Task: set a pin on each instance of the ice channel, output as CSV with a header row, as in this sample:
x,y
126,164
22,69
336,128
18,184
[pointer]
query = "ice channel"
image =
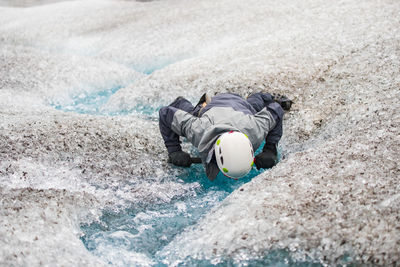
x,y
83,172
136,235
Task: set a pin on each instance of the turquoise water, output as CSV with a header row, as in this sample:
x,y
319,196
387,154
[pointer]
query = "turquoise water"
x,y
148,228
88,103
136,235
92,104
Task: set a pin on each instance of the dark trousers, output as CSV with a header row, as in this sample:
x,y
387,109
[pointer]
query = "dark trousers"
x,y
185,105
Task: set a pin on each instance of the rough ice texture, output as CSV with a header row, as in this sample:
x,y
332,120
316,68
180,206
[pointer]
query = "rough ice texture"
x,y
336,195
40,227
33,79
336,191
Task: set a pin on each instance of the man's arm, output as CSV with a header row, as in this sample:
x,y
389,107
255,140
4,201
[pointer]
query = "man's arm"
x,y
267,158
171,138
265,100
175,123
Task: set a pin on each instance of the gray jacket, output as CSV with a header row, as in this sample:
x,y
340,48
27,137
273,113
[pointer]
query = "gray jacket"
x,y
258,116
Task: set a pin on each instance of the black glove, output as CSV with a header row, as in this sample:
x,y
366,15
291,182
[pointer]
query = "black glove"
x,y
180,158
267,158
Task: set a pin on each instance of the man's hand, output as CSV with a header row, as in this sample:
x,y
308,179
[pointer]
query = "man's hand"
x,y
180,158
267,158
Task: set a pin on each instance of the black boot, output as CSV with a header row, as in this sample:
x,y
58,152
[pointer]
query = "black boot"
x,y
205,99
284,101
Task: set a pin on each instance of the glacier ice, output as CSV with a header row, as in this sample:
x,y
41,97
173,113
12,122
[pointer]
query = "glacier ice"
x,y
112,64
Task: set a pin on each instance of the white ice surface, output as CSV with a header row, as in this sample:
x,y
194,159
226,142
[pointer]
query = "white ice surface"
x,y
335,192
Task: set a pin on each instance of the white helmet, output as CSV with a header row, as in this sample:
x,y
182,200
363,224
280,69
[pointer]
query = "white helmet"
x,y
234,154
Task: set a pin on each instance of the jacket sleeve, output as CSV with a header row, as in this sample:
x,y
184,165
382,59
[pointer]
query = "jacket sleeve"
x,y
174,123
274,136
265,100
171,139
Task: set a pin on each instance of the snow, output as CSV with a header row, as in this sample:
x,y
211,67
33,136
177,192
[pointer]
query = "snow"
x,y
335,194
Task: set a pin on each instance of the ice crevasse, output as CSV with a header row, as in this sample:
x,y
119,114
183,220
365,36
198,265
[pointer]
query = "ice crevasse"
x,y
80,85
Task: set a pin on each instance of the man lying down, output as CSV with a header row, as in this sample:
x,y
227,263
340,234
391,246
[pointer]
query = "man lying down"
x,y
226,129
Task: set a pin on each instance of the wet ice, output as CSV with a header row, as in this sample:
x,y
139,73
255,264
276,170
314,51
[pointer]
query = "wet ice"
x,y
333,196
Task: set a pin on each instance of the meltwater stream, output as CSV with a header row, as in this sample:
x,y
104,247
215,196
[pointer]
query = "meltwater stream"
x,y
137,235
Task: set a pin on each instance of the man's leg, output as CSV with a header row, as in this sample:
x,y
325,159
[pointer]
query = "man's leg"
x,y
183,104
